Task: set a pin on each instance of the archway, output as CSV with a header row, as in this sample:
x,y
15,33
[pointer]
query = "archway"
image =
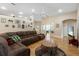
x,y
69,28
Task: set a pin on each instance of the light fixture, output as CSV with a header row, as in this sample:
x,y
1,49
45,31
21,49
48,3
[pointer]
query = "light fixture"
x,y
20,16
25,17
20,12
12,15
60,10
33,10
3,7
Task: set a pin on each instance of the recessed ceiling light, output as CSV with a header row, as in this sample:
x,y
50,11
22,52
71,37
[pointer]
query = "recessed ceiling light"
x,y
3,7
12,15
20,12
60,10
20,16
33,10
25,17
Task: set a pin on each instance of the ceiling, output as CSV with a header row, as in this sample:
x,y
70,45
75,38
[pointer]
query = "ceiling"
x,y
41,9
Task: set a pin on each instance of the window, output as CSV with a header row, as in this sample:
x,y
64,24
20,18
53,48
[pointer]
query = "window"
x,y
47,27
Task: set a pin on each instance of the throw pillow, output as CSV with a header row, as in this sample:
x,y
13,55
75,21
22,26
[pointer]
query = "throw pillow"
x,y
15,38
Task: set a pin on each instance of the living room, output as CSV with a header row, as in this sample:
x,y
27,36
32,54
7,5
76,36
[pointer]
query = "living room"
x,y
39,29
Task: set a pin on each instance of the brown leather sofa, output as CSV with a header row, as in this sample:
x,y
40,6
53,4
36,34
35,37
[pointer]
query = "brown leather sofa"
x,y
16,49
19,48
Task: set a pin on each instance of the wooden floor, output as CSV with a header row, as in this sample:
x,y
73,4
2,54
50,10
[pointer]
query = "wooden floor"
x,y
70,50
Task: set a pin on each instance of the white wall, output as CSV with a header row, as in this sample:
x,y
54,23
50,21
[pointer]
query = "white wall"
x,y
10,29
37,26
78,23
58,20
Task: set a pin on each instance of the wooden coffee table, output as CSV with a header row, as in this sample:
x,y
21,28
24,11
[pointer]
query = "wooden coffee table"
x,y
51,45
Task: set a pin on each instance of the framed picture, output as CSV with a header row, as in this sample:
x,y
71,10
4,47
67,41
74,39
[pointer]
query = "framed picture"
x,y
23,22
3,20
6,25
28,25
31,23
19,25
23,26
57,25
13,26
10,20
30,19
17,21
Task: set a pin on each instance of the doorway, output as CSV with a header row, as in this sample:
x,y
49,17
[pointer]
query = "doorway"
x,y
70,29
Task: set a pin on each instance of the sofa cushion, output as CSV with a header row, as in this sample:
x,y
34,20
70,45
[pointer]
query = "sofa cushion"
x,y
3,47
10,41
10,33
3,50
19,49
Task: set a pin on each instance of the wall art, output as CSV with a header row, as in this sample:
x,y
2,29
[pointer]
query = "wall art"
x,y
29,25
3,20
57,25
10,20
13,26
23,22
30,19
19,25
17,21
6,25
23,26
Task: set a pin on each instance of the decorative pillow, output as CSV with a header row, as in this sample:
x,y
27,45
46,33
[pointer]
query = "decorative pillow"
x,y
15,38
